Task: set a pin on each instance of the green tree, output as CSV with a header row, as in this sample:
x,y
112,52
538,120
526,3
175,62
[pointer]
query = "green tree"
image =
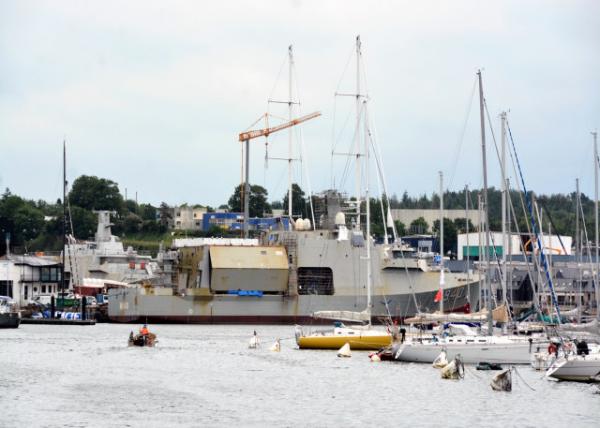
x,y
132,223
258,201
165,214
298,202
400,228
147,212
84,222
93,193
450,234
419,225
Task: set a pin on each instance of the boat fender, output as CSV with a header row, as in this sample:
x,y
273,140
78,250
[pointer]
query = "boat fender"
x,y
375,358
276,347
344,351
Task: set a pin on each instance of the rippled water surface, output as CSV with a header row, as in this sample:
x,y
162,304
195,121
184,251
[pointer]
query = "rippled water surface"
x,y
206,376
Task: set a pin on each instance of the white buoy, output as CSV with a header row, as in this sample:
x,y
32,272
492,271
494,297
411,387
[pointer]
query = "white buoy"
x,y
276,347
441,361
253,344
344,351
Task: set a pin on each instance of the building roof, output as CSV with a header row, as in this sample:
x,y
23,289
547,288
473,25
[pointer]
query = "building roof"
x,y
33,260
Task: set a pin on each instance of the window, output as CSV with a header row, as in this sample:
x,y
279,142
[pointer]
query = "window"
x,y
43,289
315,280
6,288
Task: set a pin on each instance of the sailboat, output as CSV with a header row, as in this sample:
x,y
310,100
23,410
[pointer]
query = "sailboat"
x,y
357,336
585,364
472,347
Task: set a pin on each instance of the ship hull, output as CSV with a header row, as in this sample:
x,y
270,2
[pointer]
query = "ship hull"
x,y
134,305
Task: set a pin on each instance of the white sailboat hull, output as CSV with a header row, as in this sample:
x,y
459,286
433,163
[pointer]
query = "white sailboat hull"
x,y
473,351
582,368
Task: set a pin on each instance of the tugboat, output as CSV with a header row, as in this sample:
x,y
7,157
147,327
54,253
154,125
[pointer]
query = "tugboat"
x,y
143,338
10,316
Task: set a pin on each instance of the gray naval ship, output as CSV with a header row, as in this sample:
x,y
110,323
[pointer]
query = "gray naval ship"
x,y
286,275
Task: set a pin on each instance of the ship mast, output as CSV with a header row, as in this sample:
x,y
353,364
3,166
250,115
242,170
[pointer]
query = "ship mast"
x,y
290,102
356,132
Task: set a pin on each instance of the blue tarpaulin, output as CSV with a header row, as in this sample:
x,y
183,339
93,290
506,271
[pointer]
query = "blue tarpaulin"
x,y
255,293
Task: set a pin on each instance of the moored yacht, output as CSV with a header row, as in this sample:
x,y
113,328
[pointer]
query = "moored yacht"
x,y
10,316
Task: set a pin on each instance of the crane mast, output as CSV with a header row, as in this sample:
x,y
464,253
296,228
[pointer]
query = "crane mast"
x,y
245,137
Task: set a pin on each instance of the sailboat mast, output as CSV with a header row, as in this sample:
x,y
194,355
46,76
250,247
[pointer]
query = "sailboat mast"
x,y
596,166
368,213
467,229
356,132
64,223
442,242
578,249
485,205
504,195
291,65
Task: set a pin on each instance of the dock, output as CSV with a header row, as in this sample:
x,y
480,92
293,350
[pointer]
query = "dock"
x,y
56,321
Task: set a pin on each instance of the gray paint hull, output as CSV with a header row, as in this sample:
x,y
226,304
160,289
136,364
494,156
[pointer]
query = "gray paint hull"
x,y
398,284
134,306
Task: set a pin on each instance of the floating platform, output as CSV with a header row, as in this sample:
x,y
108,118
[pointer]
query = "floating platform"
x,y
56,321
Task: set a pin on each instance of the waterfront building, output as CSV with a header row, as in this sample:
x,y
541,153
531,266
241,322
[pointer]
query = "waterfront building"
x,y
29,277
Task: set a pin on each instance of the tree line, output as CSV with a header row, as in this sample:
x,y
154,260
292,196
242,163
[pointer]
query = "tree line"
x,y
38,225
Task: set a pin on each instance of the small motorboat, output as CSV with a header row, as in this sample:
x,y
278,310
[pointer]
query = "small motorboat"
x,y
484,365
143,338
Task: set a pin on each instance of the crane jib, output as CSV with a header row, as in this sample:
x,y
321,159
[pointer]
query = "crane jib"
x,y
249,135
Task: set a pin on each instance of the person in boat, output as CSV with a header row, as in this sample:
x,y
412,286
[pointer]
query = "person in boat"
x,y
582,348
144,333
131,336
402,335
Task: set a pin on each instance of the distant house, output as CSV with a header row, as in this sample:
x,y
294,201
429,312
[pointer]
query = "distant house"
x,y
27,278
186,217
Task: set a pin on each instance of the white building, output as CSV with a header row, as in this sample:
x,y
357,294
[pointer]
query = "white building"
x,y
553,245
188,218
27,278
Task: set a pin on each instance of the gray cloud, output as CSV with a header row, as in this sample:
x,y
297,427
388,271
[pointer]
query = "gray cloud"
x,y
153,94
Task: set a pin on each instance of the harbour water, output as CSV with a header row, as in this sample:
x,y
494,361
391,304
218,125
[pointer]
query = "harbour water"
x,y
205,375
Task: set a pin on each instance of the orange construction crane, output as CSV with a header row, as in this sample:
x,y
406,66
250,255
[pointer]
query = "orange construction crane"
x,y
249,135
245,137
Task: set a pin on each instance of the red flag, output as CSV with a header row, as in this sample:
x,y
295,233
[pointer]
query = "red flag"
x,y
438,296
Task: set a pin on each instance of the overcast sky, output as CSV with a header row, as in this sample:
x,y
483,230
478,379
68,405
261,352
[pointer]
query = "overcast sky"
x,y
153,94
